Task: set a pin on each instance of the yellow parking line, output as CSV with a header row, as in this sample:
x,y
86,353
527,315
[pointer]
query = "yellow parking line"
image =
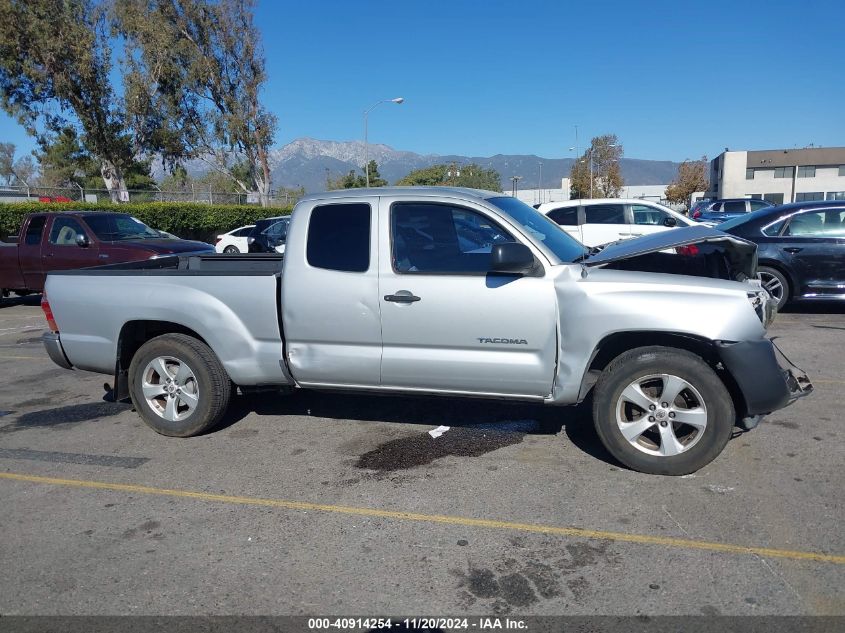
x,y
644,539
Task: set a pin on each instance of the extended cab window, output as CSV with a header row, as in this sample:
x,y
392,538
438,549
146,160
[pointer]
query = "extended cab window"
x,y
605,214
735,206
339,237
65,231
34,230
440,238
567,216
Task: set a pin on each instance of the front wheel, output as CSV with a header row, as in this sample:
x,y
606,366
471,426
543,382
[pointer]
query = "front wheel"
x,y
178,385
662,411
231,250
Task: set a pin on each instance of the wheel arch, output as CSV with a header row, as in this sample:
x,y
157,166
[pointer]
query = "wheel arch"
x,y
783,270
132,336
615,344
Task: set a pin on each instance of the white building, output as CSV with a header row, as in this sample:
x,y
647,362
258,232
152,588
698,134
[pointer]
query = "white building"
x,y
655,193
779,176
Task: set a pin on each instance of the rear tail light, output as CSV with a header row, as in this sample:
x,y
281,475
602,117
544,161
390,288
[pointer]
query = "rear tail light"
x,y
687,251
696,214
48,313
218,240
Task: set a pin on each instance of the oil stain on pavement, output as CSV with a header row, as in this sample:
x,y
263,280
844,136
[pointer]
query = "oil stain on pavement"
x,y
421,449
545,572
65,417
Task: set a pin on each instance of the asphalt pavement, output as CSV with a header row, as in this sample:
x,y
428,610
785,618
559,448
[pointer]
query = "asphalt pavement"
x,y
322,503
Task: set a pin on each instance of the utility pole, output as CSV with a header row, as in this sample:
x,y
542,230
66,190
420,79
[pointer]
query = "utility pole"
x,y
540,182
514,188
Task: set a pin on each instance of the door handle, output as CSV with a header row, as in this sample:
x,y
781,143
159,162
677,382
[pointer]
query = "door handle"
x,y
403,296
102,256
793,250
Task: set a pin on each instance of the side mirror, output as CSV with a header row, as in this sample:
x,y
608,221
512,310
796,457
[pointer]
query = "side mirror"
x,y
511,257
670,222
82,241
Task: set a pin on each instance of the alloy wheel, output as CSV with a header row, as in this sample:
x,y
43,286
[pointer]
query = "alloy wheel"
x,y
661,414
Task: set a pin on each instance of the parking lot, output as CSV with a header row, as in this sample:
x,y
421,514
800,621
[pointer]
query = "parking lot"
x,y
321,503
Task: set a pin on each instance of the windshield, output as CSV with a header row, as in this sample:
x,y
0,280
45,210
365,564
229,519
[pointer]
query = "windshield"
x,y
112,228
541,228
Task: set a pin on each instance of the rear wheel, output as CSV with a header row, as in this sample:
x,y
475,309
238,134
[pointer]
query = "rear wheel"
x,y
662,411
776,284
231,249
178,385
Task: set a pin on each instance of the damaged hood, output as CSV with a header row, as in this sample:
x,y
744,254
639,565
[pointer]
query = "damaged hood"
x,y
742,253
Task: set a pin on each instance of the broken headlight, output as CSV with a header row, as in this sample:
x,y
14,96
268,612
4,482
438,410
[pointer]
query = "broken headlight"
x,y
763,306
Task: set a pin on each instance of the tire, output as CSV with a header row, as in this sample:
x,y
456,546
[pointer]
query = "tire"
x,y
231,250
776,284
701,398
23,293
204,387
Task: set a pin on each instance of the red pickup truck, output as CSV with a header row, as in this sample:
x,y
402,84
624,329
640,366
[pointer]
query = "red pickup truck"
x,y
71,240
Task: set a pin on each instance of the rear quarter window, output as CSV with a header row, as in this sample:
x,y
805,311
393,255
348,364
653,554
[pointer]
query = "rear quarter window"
x,y
34,230
339,237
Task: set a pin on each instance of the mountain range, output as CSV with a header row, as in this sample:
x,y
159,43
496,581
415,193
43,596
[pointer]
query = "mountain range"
x,y
308,162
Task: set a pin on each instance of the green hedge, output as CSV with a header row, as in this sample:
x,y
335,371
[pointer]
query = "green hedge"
x,y
187,220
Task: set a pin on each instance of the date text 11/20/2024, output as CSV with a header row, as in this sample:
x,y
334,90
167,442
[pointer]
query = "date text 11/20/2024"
x,y
422,623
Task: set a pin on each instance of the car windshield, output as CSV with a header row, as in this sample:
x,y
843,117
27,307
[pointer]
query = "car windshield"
x,y
541,228
113,228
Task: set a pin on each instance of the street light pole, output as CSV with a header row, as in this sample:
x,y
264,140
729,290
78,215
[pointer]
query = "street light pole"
x,y
397,101
514,180
540,183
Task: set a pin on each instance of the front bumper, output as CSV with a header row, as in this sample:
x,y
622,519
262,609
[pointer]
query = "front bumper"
x,y
767,379
53,345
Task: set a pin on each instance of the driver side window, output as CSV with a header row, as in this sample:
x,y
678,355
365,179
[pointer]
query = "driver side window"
x,y
65,232
440,238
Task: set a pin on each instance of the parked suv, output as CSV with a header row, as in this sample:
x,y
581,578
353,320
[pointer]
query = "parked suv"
x,y
269,235
721,210
605,220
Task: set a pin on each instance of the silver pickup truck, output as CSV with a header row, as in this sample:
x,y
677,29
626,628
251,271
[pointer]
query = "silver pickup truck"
x,y
444,291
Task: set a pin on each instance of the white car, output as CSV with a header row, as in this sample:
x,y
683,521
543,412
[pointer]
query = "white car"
x,y
604,220
234,241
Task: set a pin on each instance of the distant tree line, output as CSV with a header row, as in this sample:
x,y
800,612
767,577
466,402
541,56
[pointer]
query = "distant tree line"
x,y
450,175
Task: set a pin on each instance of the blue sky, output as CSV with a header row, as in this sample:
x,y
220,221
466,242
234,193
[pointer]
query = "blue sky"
x,y
673,80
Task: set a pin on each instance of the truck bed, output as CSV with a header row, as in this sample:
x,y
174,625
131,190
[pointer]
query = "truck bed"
x,y
216,264
229,301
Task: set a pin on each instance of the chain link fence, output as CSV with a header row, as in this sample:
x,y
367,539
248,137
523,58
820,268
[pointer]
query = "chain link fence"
x,y
278,197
